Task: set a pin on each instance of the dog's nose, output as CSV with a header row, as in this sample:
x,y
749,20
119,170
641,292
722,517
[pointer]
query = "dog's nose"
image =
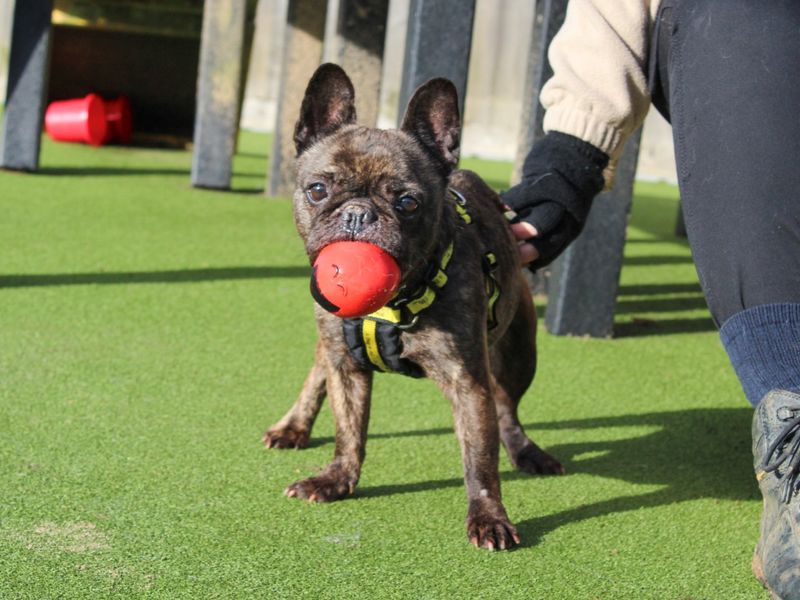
x,y
357,217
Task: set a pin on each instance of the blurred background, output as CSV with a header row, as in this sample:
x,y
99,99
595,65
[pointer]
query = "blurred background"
x,y
494,89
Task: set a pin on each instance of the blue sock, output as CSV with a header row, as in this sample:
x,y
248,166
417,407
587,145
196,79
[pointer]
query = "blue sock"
x,y
763,344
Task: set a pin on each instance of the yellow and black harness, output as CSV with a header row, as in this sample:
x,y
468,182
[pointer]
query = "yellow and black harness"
x,y
374,340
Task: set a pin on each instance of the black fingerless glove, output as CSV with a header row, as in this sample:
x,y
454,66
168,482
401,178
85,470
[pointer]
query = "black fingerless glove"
x,y
560,177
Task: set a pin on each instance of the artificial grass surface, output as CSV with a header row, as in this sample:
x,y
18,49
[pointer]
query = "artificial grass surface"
x,y
150,332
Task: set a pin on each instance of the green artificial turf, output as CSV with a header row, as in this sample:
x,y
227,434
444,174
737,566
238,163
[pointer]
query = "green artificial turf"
x,y
150,332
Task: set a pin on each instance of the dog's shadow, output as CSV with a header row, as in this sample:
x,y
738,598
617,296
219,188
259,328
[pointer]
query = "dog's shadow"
x,y
692,454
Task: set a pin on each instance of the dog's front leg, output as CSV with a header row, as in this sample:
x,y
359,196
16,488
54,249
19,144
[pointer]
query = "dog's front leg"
x,y
349,390
469,391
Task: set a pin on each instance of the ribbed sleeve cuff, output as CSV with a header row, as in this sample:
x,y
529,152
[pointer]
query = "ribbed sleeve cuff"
x,y
587,127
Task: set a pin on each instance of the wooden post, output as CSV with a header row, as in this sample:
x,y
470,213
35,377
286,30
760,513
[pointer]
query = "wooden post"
x,y
219,84
438,44
584,280
305,30
358,49
26,95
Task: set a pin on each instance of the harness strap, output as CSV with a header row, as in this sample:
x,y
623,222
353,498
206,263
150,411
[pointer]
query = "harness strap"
x,y
492,287
403,312
368,330
461,205
377,345
374,340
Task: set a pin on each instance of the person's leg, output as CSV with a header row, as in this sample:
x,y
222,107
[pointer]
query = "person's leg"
x,y
733,96
724,71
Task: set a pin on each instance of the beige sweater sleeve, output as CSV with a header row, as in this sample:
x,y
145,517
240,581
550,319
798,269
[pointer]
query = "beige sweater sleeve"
x,y
598,91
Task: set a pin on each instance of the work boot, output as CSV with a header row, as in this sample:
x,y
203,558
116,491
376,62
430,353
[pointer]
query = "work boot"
x,y
776,456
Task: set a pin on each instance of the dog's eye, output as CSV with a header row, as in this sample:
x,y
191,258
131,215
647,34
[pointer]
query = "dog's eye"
x,y
407,205
316,192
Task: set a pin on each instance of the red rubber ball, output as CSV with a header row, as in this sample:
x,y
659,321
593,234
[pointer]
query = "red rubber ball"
x,y
353,279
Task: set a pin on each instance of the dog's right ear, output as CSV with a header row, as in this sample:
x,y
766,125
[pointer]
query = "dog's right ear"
x,y
329,104
432,117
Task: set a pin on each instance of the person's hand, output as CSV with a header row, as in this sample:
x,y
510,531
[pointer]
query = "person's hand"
x,y
524,231
561,175
543,228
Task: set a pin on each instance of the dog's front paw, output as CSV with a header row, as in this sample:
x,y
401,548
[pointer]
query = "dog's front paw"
x,y
332,484
490,528
536,461
285,437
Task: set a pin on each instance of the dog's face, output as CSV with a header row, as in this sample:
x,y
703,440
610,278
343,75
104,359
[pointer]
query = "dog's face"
x,y
385,187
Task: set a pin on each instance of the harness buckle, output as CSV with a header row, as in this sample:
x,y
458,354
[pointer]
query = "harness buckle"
x,y
408,325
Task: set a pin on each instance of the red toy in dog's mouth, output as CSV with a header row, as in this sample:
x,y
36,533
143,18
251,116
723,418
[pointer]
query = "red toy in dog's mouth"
x,y
353,279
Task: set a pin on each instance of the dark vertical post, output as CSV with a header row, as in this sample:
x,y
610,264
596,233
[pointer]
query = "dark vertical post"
x,y
305,30
358,49
438,43
584,280
547,21
26,95
218,90
548,18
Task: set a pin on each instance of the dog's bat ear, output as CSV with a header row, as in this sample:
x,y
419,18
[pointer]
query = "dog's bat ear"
x,y
329,104
432,117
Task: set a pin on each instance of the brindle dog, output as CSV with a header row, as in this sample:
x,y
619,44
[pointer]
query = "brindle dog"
x,y
390,188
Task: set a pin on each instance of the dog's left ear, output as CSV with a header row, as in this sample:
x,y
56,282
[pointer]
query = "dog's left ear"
x,y
329,104
432,117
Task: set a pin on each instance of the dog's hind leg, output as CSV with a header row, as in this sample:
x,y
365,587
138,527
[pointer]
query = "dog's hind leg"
x,y
294,429
513,360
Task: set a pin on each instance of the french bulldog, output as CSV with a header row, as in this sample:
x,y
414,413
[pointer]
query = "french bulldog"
x,y
400,190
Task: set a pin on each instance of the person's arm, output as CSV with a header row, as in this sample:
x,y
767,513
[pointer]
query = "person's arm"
x,y
596,98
